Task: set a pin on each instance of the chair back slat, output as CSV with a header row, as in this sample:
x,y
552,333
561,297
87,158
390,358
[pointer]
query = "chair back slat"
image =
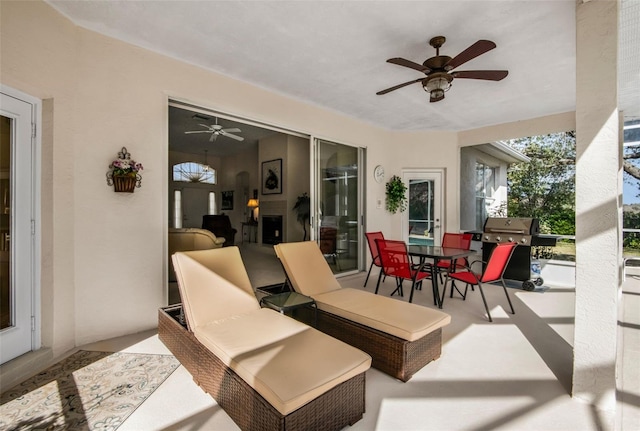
x,y
393,257
498,261
457,240
373,248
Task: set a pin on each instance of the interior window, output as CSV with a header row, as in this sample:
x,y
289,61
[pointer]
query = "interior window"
x,y
192,172
177,209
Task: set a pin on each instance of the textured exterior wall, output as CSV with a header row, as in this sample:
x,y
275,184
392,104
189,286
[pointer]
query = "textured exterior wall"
x,y
598,204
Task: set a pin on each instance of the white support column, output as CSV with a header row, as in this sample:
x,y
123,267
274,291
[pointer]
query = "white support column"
x,y
598,206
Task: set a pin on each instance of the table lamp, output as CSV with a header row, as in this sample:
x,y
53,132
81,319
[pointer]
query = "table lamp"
x,y
253,204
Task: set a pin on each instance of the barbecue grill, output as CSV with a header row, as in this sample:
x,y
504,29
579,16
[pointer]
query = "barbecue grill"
x,y
526,233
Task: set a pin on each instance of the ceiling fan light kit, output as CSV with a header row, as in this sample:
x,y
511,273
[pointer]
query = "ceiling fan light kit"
x,y
438,69
437,85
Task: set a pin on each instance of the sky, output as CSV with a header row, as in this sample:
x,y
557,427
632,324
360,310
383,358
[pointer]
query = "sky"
x,y
630,192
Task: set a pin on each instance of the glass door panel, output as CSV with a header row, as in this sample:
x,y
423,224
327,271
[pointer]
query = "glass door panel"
x,y
338,204
421,217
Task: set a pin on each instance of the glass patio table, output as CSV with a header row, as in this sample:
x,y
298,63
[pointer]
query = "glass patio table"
x,y
436,253
287,301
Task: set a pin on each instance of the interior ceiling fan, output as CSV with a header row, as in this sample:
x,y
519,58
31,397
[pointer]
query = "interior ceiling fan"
x,y
438,69
217,130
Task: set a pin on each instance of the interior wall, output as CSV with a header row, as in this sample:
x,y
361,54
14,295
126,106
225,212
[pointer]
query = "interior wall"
x,y
274,204
107,94
229,169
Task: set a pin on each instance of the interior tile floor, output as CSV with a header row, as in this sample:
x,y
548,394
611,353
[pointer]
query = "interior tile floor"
x,y
512,374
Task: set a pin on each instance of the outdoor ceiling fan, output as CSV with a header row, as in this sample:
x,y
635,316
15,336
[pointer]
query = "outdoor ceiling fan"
x,y
217,130
438,69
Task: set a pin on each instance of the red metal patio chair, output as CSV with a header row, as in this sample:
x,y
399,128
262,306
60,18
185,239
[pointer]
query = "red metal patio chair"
x,y
454,240
396,263
373,248
493,272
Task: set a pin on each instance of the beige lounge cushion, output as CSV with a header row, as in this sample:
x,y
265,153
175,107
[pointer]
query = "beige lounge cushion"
x,y
285,361
227,263
402,319
310,275
206,296
306,267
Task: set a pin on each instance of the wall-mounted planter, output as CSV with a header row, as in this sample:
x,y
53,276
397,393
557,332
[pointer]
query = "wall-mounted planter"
x,y
124,184
123,174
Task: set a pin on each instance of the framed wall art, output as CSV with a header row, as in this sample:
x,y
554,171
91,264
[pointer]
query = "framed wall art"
x,y
272,177
227,200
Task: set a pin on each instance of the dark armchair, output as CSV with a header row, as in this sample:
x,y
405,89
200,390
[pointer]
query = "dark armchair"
x,y
220,225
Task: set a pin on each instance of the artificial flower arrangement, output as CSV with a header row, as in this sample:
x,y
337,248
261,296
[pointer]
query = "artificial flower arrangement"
x,y
124,173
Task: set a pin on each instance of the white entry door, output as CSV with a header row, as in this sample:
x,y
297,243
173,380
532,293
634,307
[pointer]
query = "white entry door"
x,y
17,227
422,223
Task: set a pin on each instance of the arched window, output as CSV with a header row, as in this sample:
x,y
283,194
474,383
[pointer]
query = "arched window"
x,y
192,172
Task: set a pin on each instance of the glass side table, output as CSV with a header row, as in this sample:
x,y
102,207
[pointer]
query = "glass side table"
x,y
287,301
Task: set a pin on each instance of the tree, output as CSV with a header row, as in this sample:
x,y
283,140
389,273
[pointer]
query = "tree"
x,y
631,154
544,188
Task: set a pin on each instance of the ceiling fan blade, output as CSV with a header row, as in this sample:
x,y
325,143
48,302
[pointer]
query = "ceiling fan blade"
x,y
379,93
213,137
197,131
204,125
488,75
478,48
408,63
233,130
229,135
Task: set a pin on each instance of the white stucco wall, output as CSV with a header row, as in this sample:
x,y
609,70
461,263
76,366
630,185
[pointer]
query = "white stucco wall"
x,y
598,205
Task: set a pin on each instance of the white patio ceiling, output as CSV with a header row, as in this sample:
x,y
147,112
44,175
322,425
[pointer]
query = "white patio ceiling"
x,y
333,53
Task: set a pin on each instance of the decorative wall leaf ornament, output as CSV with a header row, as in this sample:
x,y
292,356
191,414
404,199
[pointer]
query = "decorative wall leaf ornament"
x,y
396,195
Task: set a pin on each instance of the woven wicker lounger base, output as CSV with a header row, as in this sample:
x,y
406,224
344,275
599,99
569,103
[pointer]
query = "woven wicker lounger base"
x,y
392,355
334,410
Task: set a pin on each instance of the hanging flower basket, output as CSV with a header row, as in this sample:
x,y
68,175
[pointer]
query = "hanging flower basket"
x,y
123,183
123,174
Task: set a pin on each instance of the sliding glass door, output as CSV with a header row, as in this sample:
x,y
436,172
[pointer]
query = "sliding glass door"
x,y
338,204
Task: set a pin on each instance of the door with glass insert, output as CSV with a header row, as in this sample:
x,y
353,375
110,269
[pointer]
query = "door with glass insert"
x,y
422,222
338,204
16,243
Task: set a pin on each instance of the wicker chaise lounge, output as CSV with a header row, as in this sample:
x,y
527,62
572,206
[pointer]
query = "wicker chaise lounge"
x,y
266,370
401,337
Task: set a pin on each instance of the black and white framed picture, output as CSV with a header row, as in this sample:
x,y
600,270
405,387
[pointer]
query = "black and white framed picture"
x,y
272,177
227,200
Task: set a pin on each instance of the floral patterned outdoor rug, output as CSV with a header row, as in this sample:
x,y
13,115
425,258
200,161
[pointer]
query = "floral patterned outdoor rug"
x,y
86,391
